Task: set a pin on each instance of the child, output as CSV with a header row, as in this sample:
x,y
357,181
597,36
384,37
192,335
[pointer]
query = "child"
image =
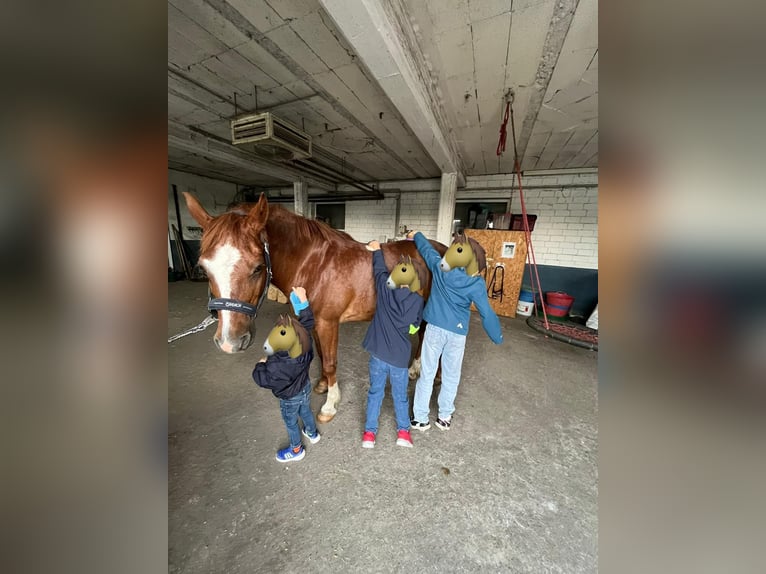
x,y
447,314
397,315
286,373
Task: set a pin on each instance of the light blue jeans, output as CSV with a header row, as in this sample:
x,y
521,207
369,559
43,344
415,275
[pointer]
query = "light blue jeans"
x,y
450,346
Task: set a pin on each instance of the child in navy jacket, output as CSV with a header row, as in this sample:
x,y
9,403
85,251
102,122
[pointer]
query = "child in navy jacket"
x,y
398,313
288,379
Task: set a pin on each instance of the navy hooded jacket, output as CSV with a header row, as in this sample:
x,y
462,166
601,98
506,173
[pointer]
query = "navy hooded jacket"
x,y
284,375
388,337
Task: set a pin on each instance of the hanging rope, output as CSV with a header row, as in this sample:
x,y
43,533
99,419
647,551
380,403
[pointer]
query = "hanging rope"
x,y
503,130
528,234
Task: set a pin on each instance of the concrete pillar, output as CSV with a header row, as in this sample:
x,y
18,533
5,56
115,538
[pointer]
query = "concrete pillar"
x,y
446,208
301,196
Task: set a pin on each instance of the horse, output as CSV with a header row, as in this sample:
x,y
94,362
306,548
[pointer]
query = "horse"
x,y
287,335
464,252
246,248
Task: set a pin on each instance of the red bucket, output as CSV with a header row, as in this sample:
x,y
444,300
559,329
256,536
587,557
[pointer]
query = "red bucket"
x,y
557,304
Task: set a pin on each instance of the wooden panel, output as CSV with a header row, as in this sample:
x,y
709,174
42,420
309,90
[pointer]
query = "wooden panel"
x,y
492,240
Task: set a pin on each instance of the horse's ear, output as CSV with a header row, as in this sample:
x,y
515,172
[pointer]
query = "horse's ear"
x,y
197,211
260,213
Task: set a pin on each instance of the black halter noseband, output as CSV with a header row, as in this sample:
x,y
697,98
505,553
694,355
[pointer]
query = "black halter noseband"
x,y
222,304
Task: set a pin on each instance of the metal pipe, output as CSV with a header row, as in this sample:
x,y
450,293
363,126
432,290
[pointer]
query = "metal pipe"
x,y
332,173
327,198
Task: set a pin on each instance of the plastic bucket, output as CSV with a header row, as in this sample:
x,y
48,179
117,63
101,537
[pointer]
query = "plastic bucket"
x,y
557,304
526,303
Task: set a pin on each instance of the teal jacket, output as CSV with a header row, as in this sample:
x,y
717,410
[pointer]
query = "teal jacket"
x,y
452,292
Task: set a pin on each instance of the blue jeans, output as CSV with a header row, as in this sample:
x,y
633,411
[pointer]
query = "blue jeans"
x,y
298,406
379,370
450,346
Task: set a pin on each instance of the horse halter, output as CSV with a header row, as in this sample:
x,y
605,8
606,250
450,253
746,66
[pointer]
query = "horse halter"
x,y
222,304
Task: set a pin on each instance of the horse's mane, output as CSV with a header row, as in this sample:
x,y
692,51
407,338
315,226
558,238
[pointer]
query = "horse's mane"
x,y
310,227
303,335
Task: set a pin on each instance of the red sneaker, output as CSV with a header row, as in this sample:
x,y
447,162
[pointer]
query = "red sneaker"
x,y
368,440
404,438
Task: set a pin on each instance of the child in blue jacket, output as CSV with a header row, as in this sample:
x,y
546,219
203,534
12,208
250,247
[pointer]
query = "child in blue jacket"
x,y
447,313
397,314
288,379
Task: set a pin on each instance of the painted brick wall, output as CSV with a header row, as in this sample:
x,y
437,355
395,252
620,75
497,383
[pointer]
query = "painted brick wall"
x,y
367,220
419,211
566,232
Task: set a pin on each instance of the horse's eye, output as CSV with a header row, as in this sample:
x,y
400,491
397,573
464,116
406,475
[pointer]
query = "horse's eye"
x,y
258,269
459,249
404,270
283,332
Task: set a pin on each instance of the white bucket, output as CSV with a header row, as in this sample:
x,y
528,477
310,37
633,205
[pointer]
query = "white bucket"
x,y
592,322
524,308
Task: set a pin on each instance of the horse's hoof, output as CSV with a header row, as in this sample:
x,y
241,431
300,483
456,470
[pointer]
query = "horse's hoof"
x,y
324,418
320,388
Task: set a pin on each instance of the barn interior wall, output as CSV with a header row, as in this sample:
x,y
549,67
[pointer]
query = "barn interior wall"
x,y
566,205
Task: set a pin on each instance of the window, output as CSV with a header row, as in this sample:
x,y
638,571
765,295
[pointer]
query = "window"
x,y
333,214
473,215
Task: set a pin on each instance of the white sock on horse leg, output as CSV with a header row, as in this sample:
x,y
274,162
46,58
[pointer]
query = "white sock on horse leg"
x,y
333,398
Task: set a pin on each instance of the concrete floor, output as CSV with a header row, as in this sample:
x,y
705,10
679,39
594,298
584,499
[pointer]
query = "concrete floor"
x,y
512,487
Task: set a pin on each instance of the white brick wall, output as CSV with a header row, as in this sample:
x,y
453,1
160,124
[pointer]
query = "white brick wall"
x,y
566,231
419,211
367,220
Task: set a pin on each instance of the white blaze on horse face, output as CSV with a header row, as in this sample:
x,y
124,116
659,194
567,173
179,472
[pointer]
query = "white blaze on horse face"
x,y
221,267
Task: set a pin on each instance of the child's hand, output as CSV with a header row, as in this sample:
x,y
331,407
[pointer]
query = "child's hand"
x,y
300,292
411,233
263,360
373,245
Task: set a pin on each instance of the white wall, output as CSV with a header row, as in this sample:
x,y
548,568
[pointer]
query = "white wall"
x,y
214,195
419,211
367,220
566,232
566,205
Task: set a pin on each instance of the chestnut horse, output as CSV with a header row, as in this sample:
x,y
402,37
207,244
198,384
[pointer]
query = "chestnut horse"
x,y
244,246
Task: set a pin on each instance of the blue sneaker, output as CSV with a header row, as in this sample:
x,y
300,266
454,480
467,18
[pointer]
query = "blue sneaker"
x,y
313,438
289,455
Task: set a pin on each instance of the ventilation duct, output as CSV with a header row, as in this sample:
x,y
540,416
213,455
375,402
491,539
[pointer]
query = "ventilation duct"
x,y
271,136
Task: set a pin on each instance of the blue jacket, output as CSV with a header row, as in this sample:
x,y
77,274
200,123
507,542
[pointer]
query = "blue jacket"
x,y
284,375
388,337
452,292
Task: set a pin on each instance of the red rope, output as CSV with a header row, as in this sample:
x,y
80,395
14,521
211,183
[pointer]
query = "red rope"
x,y
528,234
503,130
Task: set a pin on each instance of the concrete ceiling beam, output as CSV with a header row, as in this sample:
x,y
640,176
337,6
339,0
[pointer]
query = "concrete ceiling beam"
x,y
381,34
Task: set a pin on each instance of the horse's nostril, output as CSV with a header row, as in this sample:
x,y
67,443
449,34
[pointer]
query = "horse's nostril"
x,y
245,341
217,342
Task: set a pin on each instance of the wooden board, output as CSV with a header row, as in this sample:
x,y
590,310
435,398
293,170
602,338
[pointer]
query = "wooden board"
x,y
493,241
